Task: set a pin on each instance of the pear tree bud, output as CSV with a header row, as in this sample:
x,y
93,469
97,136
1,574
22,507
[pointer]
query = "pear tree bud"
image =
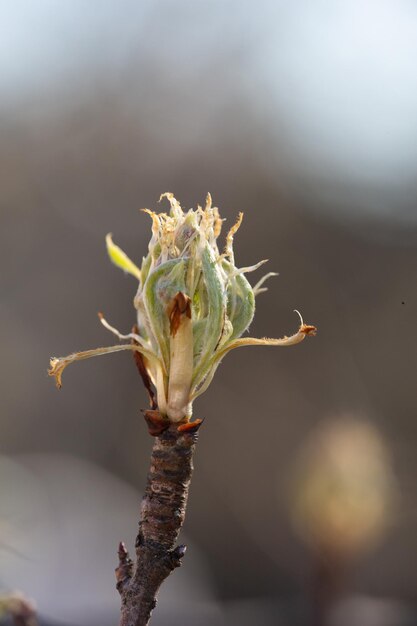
x,y
193,305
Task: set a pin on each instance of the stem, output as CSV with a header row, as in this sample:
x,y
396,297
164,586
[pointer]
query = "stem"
x,y
161,518
327,586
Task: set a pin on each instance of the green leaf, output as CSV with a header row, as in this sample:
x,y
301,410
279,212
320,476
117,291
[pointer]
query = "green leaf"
x,y
120,258
216,302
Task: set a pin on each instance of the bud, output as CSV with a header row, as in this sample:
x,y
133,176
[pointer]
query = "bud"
x,y
193,305
20,609
344,488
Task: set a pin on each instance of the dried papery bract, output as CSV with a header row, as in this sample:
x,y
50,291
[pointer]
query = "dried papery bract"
x,y
193,306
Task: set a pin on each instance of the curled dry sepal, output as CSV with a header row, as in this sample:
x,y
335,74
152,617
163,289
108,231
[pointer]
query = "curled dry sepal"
x,y
193,306
18,608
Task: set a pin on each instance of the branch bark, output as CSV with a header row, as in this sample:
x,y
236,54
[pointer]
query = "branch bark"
x,y
161,518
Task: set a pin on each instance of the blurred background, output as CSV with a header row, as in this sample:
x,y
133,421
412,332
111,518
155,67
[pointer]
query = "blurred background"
x,y
304,116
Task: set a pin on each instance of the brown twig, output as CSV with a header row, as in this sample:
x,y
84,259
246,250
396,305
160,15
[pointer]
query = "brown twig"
x,y
161,518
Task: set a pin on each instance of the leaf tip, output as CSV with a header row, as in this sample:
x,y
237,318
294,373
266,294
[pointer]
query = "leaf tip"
x,y
55,370
308,330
